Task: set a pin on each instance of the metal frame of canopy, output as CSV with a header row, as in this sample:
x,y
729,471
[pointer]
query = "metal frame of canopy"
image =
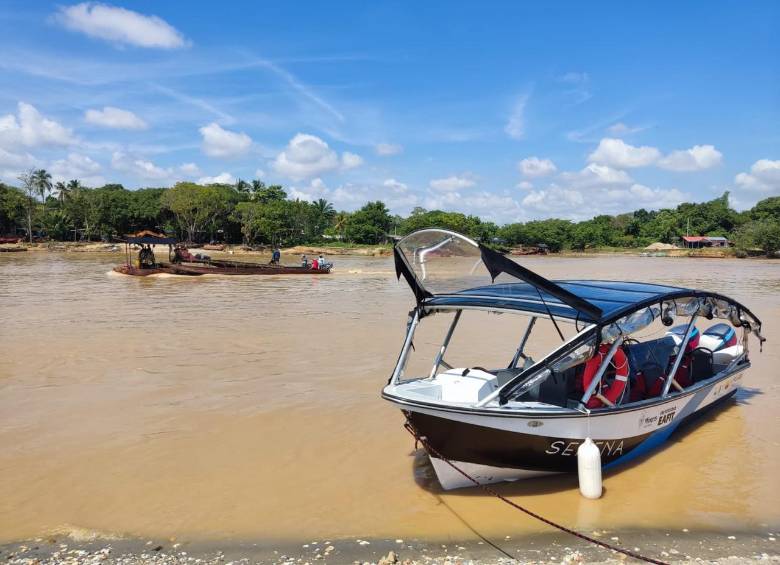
x,y
615,326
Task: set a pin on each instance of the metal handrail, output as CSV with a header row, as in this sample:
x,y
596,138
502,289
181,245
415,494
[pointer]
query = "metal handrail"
x,y
678,359
401,364
440,355
519,353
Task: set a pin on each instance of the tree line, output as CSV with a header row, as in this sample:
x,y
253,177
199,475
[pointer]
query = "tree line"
x,y
255,213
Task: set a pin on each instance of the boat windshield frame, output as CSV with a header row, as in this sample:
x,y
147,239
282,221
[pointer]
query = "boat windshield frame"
x,y
495,264
703,305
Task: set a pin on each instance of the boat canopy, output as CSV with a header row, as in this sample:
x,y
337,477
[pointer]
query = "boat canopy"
x,y
446,270
150,237
438,263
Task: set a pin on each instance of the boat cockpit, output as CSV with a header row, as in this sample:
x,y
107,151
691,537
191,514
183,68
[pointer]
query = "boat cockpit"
x,y
584,345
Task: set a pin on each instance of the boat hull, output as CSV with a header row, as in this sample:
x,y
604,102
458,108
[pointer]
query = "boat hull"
x,y
190,270
497,445
138,272
226,269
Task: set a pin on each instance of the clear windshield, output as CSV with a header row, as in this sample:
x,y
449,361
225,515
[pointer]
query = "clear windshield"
x,y
444,261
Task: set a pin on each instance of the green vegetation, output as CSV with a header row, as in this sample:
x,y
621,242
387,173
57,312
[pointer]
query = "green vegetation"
x,y
254,213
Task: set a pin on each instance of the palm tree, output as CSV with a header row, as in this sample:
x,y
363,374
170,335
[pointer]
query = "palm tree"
x,y
30,189
42,181
242,186
324,208
66,191
340,223
323,214
61,190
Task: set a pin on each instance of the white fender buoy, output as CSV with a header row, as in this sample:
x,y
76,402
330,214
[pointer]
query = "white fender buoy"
x,y
589,469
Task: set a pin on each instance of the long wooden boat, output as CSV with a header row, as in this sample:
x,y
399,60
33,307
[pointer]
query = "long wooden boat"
x,y
225,268
182,262
198,270
138,272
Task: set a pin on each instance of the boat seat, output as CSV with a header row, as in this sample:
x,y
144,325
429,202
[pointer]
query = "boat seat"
x,y
723,357
503,376
701,365
553,390
648,363
717,337
678,333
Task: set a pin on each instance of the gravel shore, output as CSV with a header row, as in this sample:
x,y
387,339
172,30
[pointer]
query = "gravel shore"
x,y
673,547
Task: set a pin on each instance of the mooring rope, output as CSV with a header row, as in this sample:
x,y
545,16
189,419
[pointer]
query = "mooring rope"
x,y
424,441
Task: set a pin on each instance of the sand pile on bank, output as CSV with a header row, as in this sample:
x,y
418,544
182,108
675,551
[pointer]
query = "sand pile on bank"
x,y
658,246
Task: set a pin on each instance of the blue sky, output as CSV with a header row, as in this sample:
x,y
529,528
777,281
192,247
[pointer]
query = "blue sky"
x,y
512,111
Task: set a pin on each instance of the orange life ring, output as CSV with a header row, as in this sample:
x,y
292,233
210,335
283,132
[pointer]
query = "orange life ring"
x,y
613,391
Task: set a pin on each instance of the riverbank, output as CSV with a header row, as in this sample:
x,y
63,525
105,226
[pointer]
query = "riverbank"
x,y
683,547
373,250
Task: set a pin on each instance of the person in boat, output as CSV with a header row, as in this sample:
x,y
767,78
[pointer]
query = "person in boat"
x,y
315,264
304,261
321,261
182,255
146,258
276,256
177,254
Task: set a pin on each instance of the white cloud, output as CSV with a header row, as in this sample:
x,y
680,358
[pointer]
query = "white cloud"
x,y
385,149
489,205
115,118
696,158
452,183
764,177
580,204
574,78
31,129
76,166
350,160
620,128
525,185
189,169
314,191
222,178
308,156
595,175
21,160
554,199
351,196
617,153
535,167
515,127
395,186
141,168
259,174
120,25
219,142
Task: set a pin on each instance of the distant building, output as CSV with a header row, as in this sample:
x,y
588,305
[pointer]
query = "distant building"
x,y
699,241
718,241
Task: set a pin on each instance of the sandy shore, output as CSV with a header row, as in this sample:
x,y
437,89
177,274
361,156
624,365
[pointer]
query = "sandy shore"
x,y
359,250
673,547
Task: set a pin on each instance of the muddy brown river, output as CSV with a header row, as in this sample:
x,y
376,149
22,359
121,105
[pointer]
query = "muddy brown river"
x,y
248,408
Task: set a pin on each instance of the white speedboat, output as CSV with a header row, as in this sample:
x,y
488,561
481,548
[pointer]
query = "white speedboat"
x,y
607,380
